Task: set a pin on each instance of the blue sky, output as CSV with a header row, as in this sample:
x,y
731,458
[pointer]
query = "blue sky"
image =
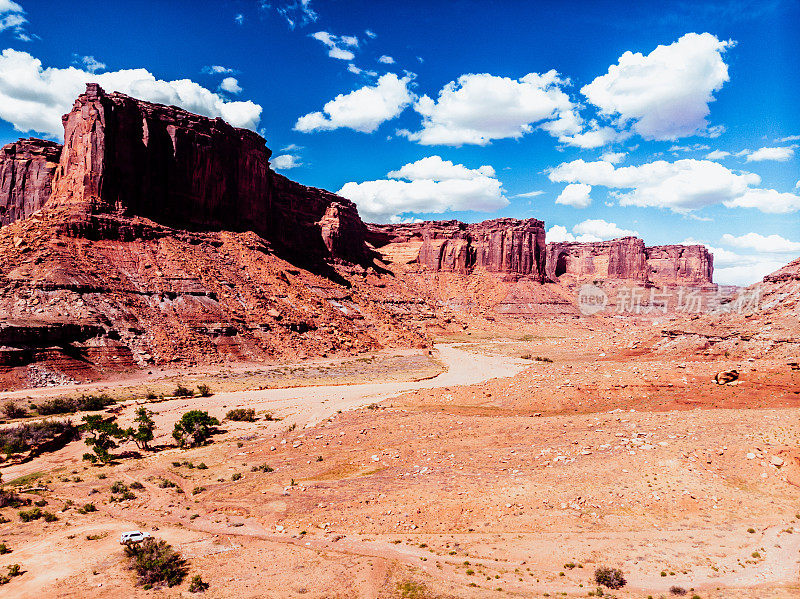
x,y
676,121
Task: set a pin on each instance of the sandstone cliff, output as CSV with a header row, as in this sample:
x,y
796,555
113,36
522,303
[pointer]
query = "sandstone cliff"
x,y
629,259
125,157
26,172
506,246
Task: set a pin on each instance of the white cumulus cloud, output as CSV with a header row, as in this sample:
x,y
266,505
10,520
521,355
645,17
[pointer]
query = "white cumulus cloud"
x,y
12,17
765,244
33,98
230,85
575,195
770,201
363,109
681,186
479,108
429,185
335,44
386,59
286,161
717,155
613,157
778,154
665,94
590,230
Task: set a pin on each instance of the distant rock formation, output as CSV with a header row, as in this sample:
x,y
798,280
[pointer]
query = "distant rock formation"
x,y
26,173
629,259
124,157
505,245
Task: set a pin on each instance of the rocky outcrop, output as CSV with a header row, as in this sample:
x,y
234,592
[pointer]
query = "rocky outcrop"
x,y
629,259
622,258
507,246
26,173
126,157
679,264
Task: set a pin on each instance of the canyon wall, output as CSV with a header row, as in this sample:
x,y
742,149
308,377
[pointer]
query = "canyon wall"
x,y
504,245
26,173
629,259
127,157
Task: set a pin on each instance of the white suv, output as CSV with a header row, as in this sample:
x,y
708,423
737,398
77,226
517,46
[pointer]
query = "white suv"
x,y
133,536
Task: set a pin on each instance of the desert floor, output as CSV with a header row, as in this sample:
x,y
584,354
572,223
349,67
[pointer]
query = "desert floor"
x,y
477,471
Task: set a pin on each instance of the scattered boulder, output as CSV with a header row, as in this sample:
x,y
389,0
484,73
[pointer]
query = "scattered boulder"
x,y
726,377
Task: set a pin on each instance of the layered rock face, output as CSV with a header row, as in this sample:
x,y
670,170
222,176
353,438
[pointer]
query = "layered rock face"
x,y
680,264
622,258
629,259
505,245
26,173
126,157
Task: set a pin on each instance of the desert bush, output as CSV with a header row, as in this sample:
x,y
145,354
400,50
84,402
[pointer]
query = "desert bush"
x,y
202,466
182,391
10,499
13,570
119,487
13,410
49,516
613,578
86,508
676,590
165,483
23,437
198,490
542,359
204,391
262,468
31,514
4,549
241,415
194,428
236,476
156,562
68,405
197,585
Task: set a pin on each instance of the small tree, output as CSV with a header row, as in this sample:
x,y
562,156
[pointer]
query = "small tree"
x,y
194,428
155,561
613,578
103,433
143,433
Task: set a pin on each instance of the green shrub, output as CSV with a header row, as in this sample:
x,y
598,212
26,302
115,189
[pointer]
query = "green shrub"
x,y
119,487
262,468
197,585
31,514
13,410
49,516
86,508
156,562
4,549
236,476
676,590
241,415
202,466
204,391
181,391
137,485
613,578
198,490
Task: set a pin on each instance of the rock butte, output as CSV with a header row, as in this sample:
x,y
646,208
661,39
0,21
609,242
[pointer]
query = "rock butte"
x,y
155,235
